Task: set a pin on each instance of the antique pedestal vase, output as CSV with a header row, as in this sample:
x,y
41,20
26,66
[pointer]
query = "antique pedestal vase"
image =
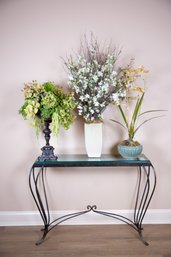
x,y
47,150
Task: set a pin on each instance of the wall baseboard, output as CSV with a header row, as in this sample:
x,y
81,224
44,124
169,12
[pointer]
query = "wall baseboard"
x,y
32,218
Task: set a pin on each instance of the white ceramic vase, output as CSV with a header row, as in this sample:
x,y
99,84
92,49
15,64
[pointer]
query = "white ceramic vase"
x,y
93,139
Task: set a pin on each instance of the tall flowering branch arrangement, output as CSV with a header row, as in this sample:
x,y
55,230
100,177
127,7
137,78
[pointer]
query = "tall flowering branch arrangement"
x,y
94,80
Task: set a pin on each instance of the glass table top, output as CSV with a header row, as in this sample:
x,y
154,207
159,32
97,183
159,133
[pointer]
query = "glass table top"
x,y
80,160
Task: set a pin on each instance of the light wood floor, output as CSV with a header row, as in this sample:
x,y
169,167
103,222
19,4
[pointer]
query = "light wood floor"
x,y
86,241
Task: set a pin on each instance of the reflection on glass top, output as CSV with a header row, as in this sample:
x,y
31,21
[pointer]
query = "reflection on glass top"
x,y
84,160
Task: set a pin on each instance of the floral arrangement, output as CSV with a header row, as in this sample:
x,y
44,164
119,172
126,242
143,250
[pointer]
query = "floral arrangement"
x,y
131,77
47,101
94,80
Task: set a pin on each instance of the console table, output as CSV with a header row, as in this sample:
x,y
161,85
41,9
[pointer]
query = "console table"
x,y
145,189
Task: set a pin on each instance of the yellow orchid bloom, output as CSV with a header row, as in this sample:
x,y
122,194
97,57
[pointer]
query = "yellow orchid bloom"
x,y
139,89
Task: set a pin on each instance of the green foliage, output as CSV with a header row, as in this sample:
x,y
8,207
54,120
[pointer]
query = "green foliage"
x,y
47,101
133,127
49,87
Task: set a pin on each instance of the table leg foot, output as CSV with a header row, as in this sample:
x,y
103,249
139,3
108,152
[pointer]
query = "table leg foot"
x,y
40,241
142,239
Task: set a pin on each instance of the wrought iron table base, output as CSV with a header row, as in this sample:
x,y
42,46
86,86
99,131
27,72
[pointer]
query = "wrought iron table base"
x,y
143,198
93,208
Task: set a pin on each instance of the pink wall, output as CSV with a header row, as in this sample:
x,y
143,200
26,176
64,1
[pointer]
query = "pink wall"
x,y
34,34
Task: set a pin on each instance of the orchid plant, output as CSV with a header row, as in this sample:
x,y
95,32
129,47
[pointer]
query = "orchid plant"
x,y
131,76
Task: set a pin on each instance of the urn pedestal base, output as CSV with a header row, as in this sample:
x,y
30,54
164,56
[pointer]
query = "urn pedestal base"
x,y
47,150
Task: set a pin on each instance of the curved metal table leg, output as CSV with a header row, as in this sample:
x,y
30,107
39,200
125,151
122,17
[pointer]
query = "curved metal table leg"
x,y
144,196
143,199
42,203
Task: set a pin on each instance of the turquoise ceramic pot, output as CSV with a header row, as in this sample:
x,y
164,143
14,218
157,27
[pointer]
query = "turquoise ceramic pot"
x,y
130,152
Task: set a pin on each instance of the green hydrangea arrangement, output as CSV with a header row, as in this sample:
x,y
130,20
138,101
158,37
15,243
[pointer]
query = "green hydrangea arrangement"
x,y
47,101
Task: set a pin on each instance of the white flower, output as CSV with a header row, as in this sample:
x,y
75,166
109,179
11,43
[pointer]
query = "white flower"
x,y
81,98
100,74
79,107
70,77
77,90
95,78
102,104
87,96
115,97
96,104
114,73
105,87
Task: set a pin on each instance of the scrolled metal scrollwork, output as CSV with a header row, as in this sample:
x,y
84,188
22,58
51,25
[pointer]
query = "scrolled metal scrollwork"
x,y
91,208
